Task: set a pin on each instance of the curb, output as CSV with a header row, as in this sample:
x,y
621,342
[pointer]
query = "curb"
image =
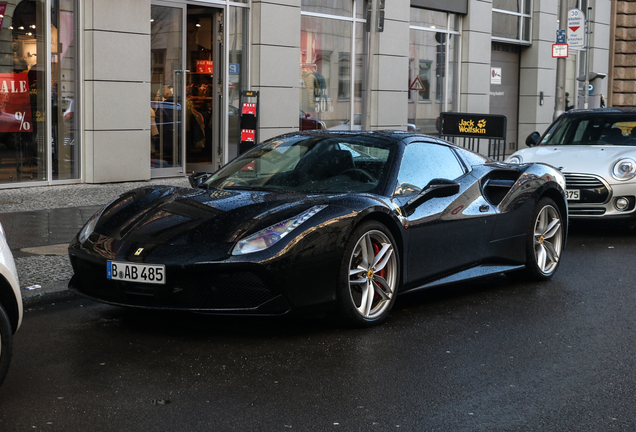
x,y
52,292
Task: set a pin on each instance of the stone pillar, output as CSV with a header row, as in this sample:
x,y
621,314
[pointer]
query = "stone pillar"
x,y
275,65
475,59
116,90
537,72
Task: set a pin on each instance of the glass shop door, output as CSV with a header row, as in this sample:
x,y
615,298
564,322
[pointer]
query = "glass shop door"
x,y
204,83
167,89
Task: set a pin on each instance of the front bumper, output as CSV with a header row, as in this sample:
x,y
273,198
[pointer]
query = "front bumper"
x,y
272,282
207,287
598,198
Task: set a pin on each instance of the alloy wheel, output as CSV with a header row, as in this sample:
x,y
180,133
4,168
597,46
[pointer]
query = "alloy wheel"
x,y
548,239
372,274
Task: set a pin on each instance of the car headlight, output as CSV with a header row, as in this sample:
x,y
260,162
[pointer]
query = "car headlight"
x,y
515,159
2,233
624,169
270,236
89,227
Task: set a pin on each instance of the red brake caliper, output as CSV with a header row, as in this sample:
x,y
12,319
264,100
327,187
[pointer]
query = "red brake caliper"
x,y
381,273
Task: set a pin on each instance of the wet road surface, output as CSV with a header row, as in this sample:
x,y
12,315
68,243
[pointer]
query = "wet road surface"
x,y
496,354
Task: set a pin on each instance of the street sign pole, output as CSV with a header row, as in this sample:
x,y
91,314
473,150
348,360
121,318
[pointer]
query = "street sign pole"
x,y
559,102
586,93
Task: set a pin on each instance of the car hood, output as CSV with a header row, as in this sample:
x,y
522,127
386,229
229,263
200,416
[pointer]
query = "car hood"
x,y
578,159
190,217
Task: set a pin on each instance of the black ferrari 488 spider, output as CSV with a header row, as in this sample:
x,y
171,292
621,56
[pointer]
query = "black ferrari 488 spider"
x,y
320,220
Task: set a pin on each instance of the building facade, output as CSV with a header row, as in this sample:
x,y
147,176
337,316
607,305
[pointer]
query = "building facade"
x,y
121,90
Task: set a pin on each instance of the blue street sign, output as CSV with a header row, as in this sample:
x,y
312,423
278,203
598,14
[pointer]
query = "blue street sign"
x,y
590,89
560,36
234,68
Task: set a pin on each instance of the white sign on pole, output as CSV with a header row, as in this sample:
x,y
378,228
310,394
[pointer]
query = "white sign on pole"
x,y
559,50
576,29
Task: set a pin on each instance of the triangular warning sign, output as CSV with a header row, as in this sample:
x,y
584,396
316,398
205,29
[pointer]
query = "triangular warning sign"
x,y
574,28
417,84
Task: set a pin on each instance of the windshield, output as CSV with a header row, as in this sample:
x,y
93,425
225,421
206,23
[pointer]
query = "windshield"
x,y
328,164
591,129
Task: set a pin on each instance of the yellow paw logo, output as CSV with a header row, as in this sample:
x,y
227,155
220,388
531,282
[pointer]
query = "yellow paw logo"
x,y
481,123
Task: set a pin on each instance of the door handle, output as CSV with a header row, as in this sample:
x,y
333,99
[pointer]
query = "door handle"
x,y
484,208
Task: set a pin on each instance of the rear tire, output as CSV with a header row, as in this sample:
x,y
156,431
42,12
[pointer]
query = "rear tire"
x,y
6,343
545,240
369,276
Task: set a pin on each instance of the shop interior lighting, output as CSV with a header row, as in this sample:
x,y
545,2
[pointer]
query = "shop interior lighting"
x,y
20,28
198,25
32,26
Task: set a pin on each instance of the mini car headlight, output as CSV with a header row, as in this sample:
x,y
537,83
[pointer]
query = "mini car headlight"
x,y
270,236
2,233
624,169
515,159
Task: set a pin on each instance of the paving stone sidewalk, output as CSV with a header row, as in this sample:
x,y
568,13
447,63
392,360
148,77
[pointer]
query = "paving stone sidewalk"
x,y
41,221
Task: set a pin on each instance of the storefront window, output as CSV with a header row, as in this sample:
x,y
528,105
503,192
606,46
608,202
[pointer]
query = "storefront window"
x,y
22,91
330,71
325,73
432,67
64,94
332,7
28,150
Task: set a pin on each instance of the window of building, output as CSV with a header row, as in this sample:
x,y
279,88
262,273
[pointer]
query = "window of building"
x,y
511,20
332,36
433,63
38,99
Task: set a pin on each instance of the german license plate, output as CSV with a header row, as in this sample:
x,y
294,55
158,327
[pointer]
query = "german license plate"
x,y
573,194
133,272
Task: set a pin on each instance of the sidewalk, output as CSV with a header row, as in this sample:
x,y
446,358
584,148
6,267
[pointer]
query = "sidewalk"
x,y
40,222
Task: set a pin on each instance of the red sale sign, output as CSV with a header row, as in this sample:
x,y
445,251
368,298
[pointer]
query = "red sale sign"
x,y
3,8
249,108
247,135
204,66
15,103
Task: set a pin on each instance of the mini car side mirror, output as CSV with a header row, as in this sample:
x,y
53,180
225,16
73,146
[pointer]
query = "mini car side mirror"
x,y
533,139
198,178
436,188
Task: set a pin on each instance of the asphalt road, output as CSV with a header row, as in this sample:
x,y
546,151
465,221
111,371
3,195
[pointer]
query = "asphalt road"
x,y
493,355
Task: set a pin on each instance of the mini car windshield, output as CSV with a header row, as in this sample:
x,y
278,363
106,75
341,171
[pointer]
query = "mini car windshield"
x,y
310,164
593,129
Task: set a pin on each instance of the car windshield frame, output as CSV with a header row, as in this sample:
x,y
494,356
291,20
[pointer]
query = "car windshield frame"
x,y
592,128
333,164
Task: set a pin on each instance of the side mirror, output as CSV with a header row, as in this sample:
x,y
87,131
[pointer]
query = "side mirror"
x,y
436,188
533,139
198,178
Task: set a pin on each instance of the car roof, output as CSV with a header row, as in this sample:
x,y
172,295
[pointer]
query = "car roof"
x,y
596,111
391,135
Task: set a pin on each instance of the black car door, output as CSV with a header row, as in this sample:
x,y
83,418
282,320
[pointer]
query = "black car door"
x,y
443,233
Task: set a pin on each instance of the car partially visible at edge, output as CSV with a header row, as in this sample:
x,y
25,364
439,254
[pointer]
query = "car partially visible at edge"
x,y
10,304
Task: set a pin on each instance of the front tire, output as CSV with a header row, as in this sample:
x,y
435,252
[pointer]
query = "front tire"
x,y
369,276
546,238
6,343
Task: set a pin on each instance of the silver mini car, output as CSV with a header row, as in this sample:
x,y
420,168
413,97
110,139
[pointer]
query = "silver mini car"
x,y
596,151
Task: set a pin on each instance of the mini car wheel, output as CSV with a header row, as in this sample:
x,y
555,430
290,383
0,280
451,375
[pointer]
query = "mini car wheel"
x,y
6,343
545,240
369,276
